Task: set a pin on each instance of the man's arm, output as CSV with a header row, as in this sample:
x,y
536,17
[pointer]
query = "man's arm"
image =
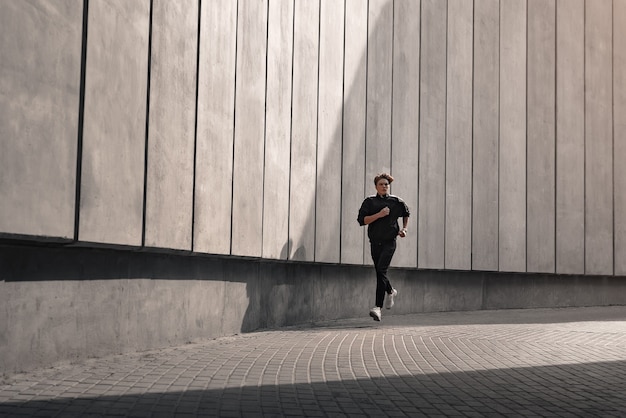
x,y
381,214
405,223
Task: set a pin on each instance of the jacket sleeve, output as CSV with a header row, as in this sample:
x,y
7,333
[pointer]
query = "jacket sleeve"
x,y
406,213
363,212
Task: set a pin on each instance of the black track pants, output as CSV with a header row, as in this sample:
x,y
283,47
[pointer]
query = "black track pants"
x,y
382,253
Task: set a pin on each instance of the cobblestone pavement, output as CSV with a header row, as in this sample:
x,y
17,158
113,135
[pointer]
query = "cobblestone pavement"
x,y
540,362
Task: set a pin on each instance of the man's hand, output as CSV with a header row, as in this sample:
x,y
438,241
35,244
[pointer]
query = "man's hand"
x,y
380,214
402,232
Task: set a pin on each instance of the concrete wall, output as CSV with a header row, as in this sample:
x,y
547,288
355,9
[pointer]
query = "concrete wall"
x,y
253,130
256,129
40,83
69,304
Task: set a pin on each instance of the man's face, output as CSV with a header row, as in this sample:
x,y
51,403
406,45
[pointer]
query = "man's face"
x,y
382,187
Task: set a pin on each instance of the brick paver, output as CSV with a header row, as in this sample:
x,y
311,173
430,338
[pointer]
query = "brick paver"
x,y
540,362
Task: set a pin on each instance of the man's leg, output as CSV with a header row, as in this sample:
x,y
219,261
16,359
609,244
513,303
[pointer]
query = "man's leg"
x,y
382,253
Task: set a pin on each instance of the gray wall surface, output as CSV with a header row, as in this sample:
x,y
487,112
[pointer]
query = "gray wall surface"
x,y
570,139
60,305
113,142
40,77
171,127
255,128
619,135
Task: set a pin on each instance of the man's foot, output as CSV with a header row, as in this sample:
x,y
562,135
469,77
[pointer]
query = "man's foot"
x,y
390,298
375,313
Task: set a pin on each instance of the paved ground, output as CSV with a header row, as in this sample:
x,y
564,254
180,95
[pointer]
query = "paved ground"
x,y
541,362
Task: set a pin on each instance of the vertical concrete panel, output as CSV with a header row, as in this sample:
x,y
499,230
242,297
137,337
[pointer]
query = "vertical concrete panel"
x,y
486,120
214,138
112,183
304,131
353,169
458,239
541,136
40,46
329,128
379,78
171,129
277,129
598,138
405,119
619,139
512,189
570,137
249,129
432,134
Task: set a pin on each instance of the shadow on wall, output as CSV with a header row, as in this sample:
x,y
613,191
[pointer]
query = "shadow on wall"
x,y
325,198
195,296
576,389
73,303
25,264
325,228
317,218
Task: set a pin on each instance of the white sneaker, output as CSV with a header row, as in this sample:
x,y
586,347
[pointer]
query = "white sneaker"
x,y
375,313
390,298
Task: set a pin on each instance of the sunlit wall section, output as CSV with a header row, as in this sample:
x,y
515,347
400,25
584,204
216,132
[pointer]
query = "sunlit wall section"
x,y
215,127
114,133
379,92
541,133
172,124
485,135
432,136
353,186
512,146
278,129
329,131
40,46
302,180
459,68
247,222
570,137
405,119
255,129
619,121
598,138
